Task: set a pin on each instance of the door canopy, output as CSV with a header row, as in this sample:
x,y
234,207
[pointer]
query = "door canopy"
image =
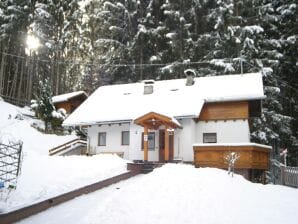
x,y
154,120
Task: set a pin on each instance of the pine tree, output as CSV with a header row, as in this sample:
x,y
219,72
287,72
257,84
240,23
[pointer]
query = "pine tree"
x,y
72,39
246,39
45,106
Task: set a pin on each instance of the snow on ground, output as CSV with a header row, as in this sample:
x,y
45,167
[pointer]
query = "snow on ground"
x,y
43,176
177,193
34,142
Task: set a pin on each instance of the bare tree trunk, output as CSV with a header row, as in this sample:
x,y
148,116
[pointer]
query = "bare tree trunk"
x,y
141,47
19,94
52,77
6,84
30,78
13,88
36,77
2,73
57,75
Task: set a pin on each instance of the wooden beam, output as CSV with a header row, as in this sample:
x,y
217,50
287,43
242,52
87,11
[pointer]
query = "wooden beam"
x,y
167,141
145,143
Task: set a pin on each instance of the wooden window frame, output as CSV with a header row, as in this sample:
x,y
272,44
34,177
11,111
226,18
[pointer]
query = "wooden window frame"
x,y
209,133
98,142
149,149
122,143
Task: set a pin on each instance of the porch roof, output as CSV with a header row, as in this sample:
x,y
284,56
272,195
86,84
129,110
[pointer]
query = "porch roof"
x,y
153,120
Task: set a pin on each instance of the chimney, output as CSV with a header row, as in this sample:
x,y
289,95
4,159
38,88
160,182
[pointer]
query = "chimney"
x,y
190,75
148,87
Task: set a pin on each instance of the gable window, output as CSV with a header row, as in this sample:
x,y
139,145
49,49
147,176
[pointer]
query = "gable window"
x,y
209,138
102,138
125,138
151,141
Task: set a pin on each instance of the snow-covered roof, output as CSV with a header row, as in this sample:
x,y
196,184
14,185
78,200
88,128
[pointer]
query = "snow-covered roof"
x,y
171,98
67,96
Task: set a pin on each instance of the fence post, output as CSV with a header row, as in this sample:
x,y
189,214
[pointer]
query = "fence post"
x,y
282,175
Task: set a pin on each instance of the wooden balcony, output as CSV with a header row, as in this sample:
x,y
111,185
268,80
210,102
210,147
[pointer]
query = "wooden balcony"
x,y
252,156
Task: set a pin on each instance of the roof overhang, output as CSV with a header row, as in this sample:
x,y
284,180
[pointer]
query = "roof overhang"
x,y
96,123
232,99
154,120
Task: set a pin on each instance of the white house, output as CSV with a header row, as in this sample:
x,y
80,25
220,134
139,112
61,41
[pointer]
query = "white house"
x,y
163,120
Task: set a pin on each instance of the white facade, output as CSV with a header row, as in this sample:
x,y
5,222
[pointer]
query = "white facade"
x,y
230,131
113,138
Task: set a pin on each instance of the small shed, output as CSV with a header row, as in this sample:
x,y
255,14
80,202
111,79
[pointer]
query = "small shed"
x,y
69,101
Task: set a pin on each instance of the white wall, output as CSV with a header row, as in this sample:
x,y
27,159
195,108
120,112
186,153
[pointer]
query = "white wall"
x,y
231,131
135,150
184,139
113,138
227,132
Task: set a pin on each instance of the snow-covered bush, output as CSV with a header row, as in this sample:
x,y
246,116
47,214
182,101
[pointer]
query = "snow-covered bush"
x,y
57,118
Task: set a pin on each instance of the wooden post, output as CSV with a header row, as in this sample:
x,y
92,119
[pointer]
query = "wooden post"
x,y
167,152
145,143
282,175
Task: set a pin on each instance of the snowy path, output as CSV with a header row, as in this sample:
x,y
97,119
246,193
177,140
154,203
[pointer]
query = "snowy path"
x,y
175,194
75,211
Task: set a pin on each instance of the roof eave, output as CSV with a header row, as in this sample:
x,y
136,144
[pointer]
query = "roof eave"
x,y
234,99
96,123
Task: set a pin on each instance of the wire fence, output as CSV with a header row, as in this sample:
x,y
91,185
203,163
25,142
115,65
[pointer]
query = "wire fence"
x,y
10,163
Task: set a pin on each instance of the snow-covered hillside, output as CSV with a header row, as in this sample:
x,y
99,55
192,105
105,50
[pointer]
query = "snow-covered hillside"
x,y
13,128
43,176
175,194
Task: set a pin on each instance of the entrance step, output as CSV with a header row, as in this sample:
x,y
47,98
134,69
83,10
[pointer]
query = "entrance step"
x,y
143,167
147,168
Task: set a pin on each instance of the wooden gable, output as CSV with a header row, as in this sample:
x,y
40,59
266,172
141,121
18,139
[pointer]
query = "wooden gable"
x,y
224,111
72,103
230,110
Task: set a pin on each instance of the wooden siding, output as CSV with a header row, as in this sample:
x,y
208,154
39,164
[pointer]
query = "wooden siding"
x,y
225,111
64,105
251,157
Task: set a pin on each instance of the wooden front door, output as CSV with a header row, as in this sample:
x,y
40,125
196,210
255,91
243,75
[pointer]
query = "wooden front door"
x,y
162,146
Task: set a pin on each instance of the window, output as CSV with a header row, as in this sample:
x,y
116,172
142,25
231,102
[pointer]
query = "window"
x,y
151,141
209,138
125,138
102,137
